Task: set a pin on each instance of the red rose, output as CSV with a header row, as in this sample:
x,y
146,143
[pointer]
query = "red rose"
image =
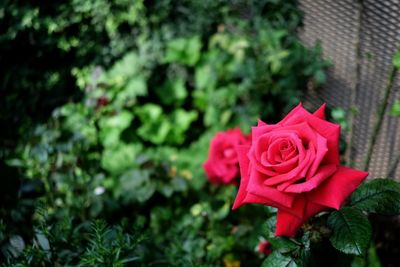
x,y
222,164
294,166
264,247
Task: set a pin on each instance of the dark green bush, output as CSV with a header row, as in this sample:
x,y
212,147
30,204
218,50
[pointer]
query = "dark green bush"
x,y
114,175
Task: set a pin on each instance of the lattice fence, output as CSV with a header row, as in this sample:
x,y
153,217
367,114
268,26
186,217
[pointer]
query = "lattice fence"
x,y
360,38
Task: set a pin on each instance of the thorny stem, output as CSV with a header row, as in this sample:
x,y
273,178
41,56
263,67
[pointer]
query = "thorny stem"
x,y
381,112
356,87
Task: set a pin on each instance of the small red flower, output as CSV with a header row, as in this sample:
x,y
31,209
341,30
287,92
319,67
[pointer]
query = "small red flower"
x,y
222,165
264,247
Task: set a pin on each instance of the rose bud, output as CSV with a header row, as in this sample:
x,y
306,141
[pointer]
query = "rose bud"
x,y
222,166
264,247
294,166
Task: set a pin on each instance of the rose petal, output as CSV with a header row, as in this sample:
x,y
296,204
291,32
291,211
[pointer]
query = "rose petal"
x,y
322,173
285,166
212,177
257,187
303,130
321,150
288,224
254,199
312,209
327,129
257,149
320,112
260,146
334,191
256,132
231,172
218,172
294,174
260,123
273,152
259,167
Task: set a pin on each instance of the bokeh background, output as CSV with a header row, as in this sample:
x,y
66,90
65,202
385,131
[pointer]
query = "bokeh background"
x,y
107,108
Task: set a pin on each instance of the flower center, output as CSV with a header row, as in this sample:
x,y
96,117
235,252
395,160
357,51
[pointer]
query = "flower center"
x,y
229,153
286,150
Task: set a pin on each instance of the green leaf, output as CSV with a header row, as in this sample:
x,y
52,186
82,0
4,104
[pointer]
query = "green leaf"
x,y
269,227
173,92
134,87
351,231
181,120
120,158
205,77
184,50
276,259
283,244
120,121
130,259
135,185
320,77
17,245
124,68
111,127
280,244
158,127
378,196
193,50
43,241
155,126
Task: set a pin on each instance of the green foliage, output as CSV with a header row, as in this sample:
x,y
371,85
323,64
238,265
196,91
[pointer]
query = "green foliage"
x,y
119,125
339,115
279,244
159,128
380,196
184,51
351,231
278,260
110,246
345,243
119,158
93,244
135,185
43,42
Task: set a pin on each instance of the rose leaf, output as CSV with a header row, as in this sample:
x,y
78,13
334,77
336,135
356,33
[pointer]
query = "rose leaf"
x,y
378,196
351,231
276,259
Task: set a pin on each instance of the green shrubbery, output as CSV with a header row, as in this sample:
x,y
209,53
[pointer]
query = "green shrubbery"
x,y
114,176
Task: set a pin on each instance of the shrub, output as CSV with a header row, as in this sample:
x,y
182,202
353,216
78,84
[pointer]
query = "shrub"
x,y
155,81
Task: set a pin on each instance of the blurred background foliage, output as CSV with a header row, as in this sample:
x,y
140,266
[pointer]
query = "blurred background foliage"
x,y
108,108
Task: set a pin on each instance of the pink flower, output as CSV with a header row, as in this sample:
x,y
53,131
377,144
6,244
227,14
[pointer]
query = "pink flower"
x,y
222,165
294,166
